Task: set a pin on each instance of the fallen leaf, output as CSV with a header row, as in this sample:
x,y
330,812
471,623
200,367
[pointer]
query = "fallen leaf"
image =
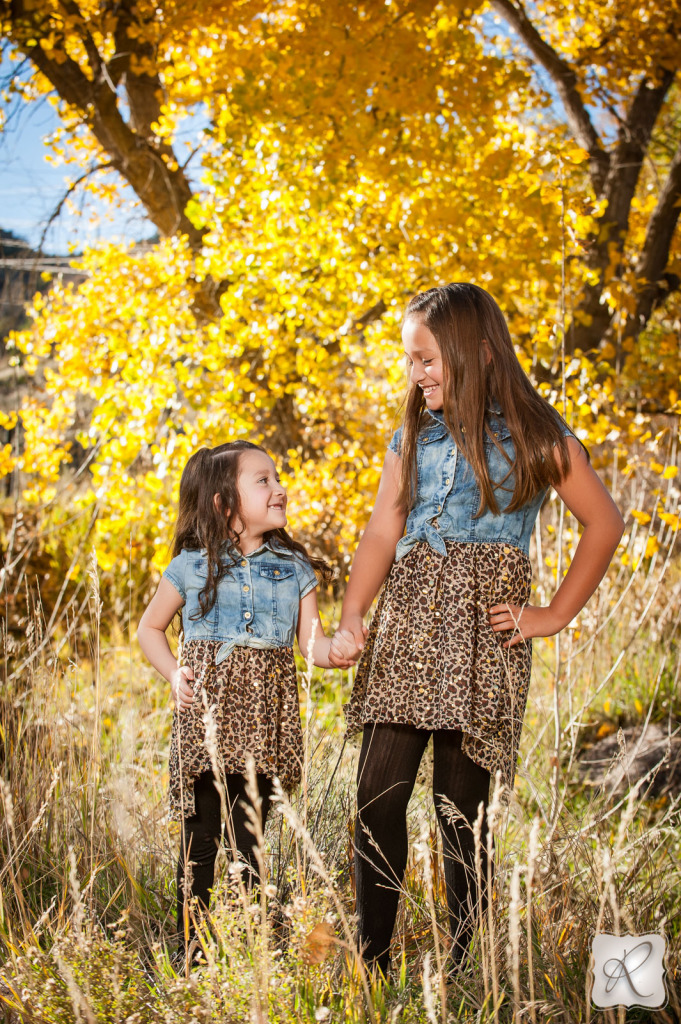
x,y
319,943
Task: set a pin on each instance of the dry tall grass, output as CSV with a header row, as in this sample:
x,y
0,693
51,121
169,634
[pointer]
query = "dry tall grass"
x,y
88,855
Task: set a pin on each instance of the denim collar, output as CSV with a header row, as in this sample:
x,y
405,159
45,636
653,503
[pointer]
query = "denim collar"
x,y
267,546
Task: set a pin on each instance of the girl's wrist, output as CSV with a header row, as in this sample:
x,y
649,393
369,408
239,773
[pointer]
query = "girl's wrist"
x,y
348,617
556,620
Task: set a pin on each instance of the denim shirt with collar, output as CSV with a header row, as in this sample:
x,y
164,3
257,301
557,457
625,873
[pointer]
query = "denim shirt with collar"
x,y
257,601
448,495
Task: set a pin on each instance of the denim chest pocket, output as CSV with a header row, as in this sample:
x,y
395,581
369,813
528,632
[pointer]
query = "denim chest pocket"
x,y
277,598
196,581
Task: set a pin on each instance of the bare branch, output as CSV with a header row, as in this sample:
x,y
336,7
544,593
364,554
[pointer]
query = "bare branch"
x,y
70,190
565,80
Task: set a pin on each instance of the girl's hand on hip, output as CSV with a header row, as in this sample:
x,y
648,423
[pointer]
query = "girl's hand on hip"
x,y
525,620
182,692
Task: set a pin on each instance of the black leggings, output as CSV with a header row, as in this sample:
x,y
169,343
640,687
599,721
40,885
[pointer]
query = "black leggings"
x,y
388,764
202,831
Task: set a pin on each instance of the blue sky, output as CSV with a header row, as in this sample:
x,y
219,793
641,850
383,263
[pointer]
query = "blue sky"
x,y
31,188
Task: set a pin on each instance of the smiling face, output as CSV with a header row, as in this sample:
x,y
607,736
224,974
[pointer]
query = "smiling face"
x,y
424,360
262,499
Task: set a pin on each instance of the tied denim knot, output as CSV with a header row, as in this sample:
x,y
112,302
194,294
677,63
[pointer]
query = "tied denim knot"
x,y
424,532
244,640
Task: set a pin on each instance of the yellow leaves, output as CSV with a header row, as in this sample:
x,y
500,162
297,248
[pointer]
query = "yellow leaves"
x,y
670,472
583,318
641,517
7,460
576,155
152,483
550,193
106,560
8,421
670,519
652,546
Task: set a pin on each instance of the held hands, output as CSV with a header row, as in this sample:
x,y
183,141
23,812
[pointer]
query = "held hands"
x,y
525,620
348,643
180,688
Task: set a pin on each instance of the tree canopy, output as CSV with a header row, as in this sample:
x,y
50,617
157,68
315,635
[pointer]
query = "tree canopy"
x,y
350,155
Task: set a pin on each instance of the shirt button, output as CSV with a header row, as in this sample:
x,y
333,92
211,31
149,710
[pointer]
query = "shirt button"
x,y
244,562
246,588
439,508
276,572
448,481
247,615
452,450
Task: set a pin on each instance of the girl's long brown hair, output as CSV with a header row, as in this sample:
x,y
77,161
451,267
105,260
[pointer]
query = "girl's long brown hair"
x,y
200,525
460,316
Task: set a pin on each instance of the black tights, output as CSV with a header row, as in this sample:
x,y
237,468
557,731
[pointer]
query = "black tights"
x,y
202,831
388,764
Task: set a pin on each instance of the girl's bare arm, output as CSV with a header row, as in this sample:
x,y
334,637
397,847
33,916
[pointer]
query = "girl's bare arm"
x,y
589,501
151,634
308,619
375,552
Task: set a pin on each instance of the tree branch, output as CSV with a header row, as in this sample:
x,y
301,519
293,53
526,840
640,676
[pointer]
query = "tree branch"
x,y
654,286
148,166
633,141
565,80
72,188
144,91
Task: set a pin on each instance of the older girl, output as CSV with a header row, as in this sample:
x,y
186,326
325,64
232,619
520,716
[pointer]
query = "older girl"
x,y
448,654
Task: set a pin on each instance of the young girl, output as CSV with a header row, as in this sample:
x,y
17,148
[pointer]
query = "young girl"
x,y
449,650
245,588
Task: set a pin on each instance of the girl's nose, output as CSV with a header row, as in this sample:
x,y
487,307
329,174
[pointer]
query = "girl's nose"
x,y
416,373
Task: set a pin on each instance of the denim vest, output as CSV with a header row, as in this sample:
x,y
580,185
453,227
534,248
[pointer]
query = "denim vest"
x,y
448,496
257,602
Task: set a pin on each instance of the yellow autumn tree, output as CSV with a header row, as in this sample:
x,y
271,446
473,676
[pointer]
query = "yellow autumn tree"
x,y
354,154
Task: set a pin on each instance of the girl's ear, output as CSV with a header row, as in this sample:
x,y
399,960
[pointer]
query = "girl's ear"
x,y
487,351
217,502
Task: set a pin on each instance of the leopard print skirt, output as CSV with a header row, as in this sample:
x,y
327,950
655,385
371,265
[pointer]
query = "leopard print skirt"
x,y
433,661
246,705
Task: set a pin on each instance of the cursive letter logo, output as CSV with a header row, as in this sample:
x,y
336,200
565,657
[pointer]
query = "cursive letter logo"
x,y
628,970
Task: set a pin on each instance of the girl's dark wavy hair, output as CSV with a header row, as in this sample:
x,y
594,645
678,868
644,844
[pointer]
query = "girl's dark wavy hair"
x,y
202,525
460,316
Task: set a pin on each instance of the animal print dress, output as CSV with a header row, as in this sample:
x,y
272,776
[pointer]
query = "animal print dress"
x,y
246,705
433,661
